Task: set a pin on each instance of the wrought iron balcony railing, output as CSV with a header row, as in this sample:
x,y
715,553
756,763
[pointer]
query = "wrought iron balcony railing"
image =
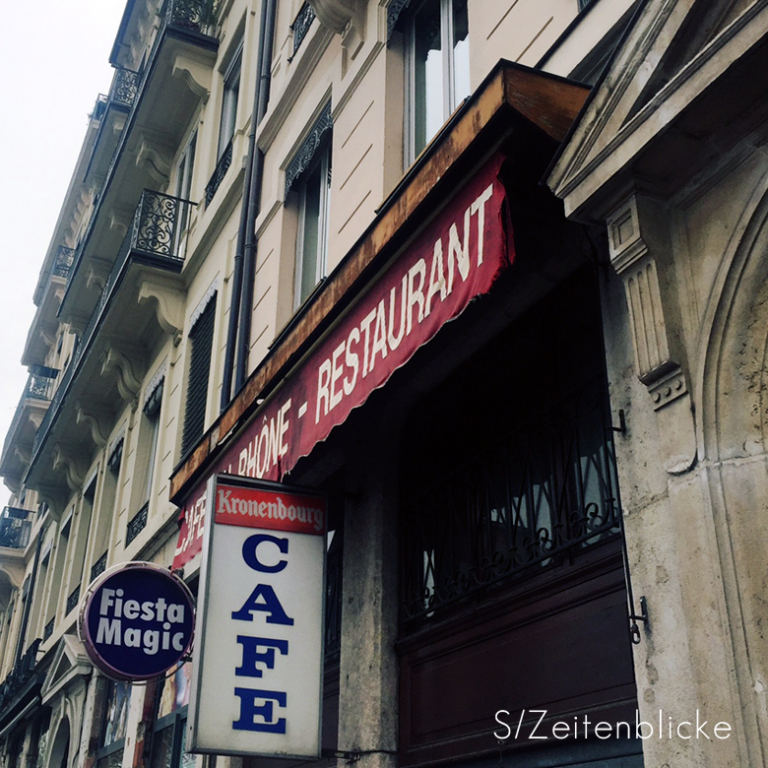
x,y
14,528
62,264
125,86
198,15
157,236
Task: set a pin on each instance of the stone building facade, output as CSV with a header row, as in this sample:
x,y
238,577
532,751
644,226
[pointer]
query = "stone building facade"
x,y
489,274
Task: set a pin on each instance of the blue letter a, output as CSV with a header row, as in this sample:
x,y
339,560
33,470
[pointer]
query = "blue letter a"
x,y
263,598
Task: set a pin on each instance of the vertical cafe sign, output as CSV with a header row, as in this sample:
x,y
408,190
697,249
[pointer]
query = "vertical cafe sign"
x,y
257,676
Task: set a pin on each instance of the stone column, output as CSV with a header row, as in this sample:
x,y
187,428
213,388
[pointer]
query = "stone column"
x,y
368,674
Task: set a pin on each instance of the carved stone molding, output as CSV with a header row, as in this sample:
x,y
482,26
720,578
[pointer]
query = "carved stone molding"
x,y
636,240
127,373
119,219
155,156
23,453
632,258
97,419
64,458
346,18
97,273
166,294
195,73
668,388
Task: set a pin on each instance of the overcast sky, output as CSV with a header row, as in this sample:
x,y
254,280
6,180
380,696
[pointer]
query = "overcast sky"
x,y
54,57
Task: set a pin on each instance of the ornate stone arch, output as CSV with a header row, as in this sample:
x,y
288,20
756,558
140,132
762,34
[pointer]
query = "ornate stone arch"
x,y
732,382
733,341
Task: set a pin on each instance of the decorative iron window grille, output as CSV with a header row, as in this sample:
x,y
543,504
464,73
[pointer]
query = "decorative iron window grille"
x,y
535,499
156,233
219,173
99,567
301,25
14,528
125,86
62,263
48,631
73,599
137,524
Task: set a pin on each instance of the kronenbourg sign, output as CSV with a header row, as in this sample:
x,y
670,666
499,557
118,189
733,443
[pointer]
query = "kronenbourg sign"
x,y
257,674
137,621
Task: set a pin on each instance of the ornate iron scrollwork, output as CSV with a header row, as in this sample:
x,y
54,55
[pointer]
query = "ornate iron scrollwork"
x,y
301,25
193,14
125,86
155,224
307,150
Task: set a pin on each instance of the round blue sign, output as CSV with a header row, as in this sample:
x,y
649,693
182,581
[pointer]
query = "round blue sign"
x,y
137,621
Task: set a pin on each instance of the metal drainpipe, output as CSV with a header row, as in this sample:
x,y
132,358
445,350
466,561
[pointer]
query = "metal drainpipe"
x,y
254,201
242,276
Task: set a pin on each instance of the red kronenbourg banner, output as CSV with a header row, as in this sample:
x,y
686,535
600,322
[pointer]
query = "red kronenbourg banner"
x,y
453,260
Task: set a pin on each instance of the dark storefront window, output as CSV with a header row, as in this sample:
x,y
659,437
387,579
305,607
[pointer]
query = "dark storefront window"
x,y
512,587
113,725
520,477
168,749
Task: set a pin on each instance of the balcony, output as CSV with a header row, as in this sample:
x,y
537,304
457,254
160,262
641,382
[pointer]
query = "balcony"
x,y
29,414
14,528
48,299
91,389
163,100
118,104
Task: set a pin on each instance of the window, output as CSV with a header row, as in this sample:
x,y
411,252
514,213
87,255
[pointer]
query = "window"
x,y
201,343
314,189
501,494
114,720
437,68
184,190
149,438
229,103
170,724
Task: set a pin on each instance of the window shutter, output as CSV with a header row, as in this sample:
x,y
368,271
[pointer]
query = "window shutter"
x,y
201,341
